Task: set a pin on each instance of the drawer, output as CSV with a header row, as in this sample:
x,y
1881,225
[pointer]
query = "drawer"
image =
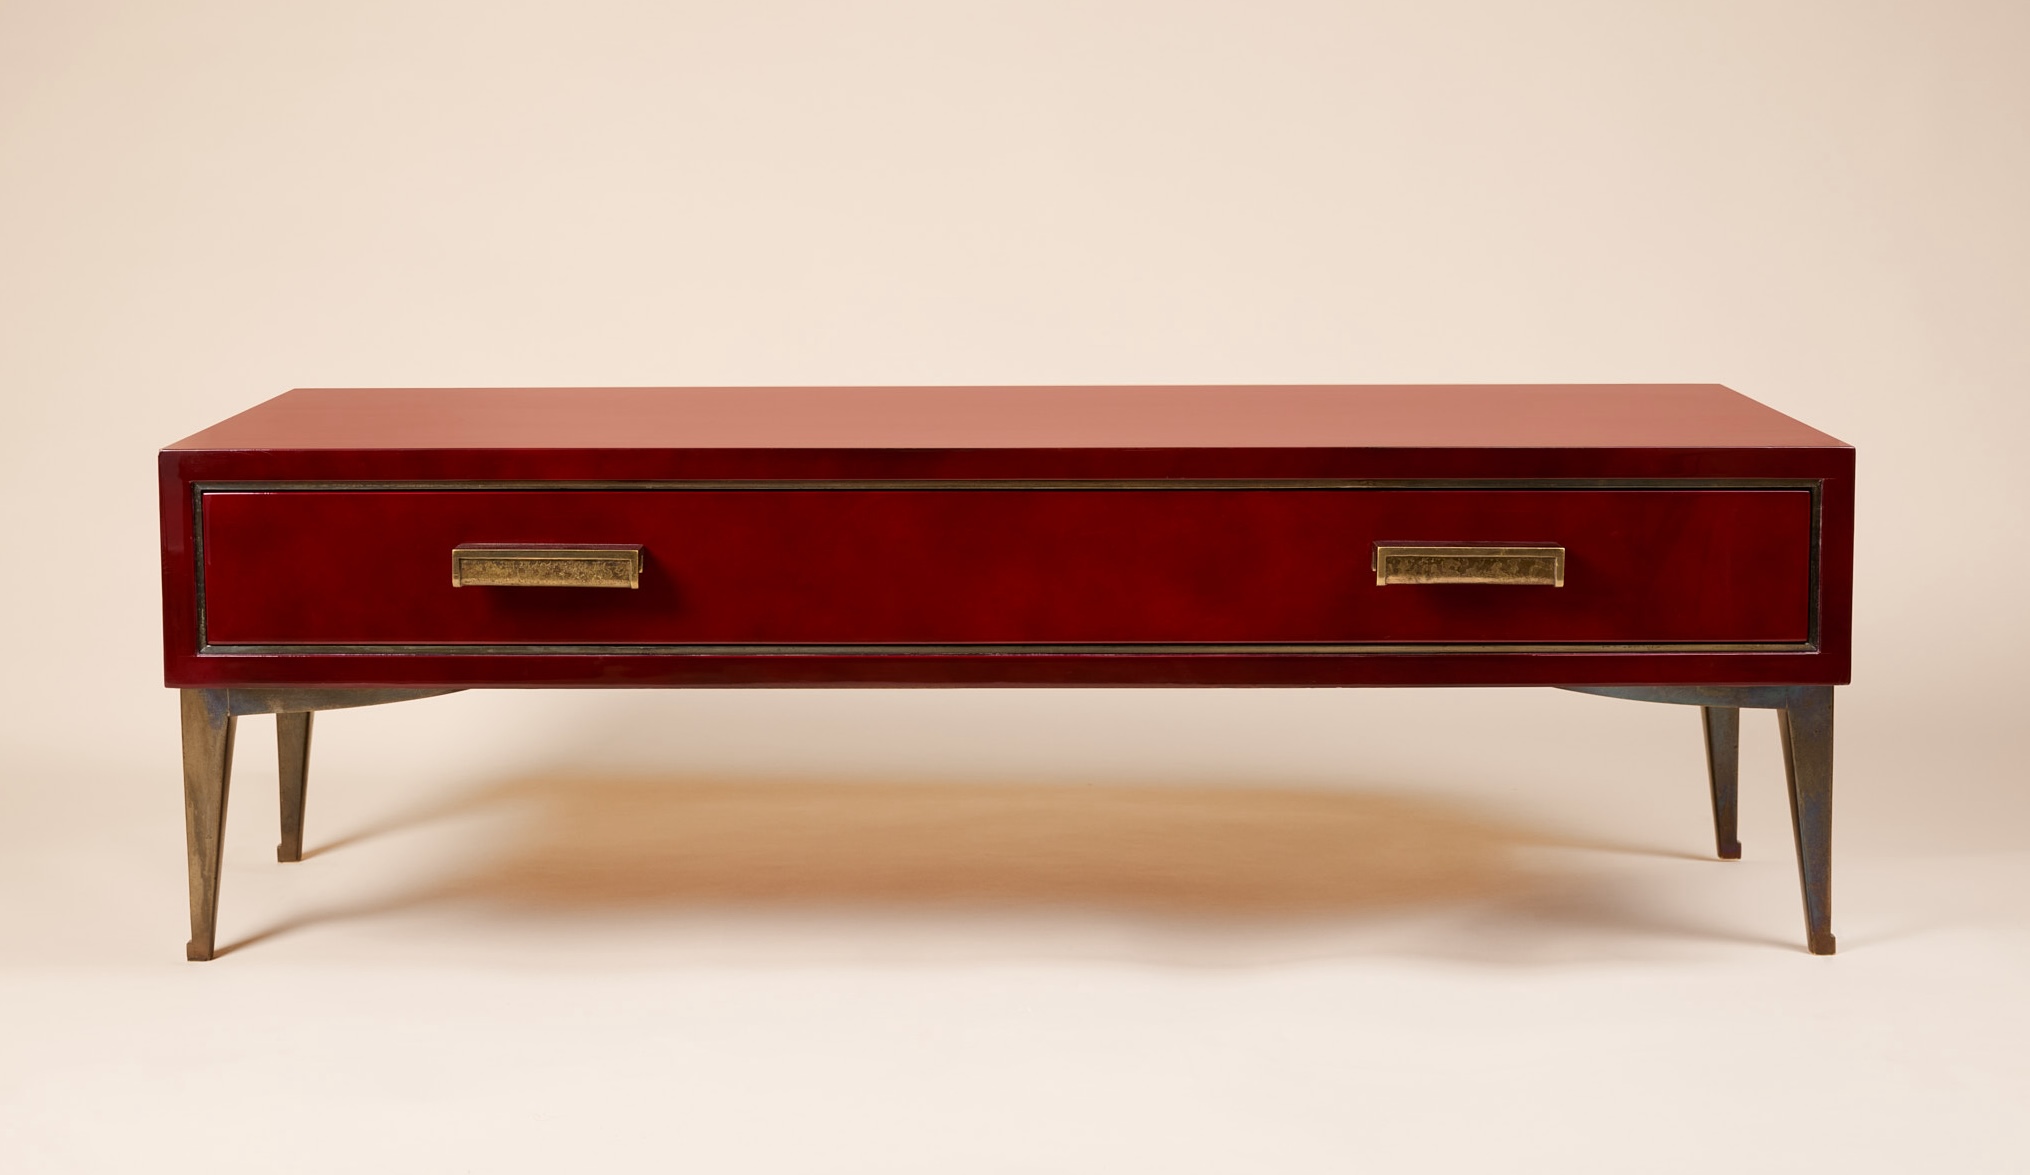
x,y
999,566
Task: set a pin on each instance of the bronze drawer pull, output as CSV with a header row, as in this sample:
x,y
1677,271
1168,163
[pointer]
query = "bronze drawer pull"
x,y
1512,566
599,565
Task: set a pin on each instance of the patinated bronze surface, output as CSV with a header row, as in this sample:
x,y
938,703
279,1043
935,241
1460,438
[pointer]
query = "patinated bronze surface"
x,y
210,722
1804,714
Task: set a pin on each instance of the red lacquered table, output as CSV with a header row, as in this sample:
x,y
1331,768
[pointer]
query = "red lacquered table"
x,y
344,547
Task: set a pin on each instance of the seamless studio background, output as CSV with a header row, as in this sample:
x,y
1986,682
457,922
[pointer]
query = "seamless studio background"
x,y
1002,930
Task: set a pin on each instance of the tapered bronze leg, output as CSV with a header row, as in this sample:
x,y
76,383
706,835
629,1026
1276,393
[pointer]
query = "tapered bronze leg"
x,y
1723,772
292,748
1804,714
1807,724
207,775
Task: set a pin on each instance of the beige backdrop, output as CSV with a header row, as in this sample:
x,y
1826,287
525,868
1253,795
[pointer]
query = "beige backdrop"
x,y
1819,204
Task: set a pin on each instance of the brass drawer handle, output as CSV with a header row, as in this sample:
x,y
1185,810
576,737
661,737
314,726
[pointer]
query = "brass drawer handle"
x,y
599,565
1514,566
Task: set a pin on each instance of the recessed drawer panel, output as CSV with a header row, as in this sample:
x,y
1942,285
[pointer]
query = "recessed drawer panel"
x,y
1006,566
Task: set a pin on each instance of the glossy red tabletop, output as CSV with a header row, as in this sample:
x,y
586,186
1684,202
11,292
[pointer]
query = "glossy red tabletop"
x,y
1645,416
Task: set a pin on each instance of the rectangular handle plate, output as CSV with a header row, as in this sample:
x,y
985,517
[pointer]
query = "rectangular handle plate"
x,y
598,565
1512,566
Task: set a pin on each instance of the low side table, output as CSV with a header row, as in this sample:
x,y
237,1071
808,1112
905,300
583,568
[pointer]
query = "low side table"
x,y
1669,543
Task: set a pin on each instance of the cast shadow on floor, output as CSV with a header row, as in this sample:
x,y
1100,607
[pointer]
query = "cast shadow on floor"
x,y
1208,860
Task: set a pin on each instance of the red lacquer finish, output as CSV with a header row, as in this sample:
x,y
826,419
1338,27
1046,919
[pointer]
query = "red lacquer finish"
x,y
1687,511
995,566
1525,416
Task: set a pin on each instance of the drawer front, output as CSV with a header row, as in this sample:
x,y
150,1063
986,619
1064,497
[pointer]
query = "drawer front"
x,y
1003,566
